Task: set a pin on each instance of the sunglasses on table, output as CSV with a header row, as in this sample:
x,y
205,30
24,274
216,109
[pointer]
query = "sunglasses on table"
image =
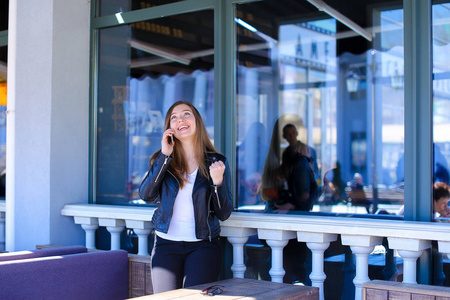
x,y
212,290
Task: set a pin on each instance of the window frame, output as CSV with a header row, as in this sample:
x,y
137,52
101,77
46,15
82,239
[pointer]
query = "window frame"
x,y
417,87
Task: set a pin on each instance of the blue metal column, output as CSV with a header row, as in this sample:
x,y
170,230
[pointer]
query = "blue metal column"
x,y
418,119
225,81
418,111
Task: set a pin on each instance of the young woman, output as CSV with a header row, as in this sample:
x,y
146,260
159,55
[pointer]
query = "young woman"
x,y
190,184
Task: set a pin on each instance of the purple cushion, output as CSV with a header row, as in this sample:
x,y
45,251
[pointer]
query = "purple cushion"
x,y
93,275
42,253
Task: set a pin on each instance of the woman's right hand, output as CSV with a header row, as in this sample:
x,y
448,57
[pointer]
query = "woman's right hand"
x,y
166,142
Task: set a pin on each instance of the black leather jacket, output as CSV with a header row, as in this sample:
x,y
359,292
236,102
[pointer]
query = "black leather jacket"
x,y
211,203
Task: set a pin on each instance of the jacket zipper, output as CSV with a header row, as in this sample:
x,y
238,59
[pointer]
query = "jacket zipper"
x,y
207,224
217,196
174,177
162,167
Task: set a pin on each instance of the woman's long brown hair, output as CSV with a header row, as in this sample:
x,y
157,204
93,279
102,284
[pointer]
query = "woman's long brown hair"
x,y
203,145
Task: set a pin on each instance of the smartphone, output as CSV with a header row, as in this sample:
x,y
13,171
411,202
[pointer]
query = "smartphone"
x,y
171,139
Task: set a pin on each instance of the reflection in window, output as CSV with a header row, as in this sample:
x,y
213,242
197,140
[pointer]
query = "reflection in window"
x,y
142,72
341,92
441,98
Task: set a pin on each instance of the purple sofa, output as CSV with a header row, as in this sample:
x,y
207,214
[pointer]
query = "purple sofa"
x,y
42,252
83,275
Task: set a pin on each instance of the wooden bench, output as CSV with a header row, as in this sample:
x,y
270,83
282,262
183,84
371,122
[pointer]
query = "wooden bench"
x,y
384,290
243,288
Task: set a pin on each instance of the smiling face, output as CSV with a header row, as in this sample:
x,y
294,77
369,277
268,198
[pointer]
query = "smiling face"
x,y
183,121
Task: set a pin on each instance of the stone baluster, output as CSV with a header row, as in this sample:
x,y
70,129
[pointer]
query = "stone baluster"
x,y
410,250
361,246
89,225
277,240
237,237
142,230
317,243
114,227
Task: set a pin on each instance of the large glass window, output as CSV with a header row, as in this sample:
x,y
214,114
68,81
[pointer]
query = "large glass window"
x,y
143,69
441,108
320,103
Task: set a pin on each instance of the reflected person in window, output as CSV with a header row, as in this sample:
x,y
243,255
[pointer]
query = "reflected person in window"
x,y
297,169
190,183
441,196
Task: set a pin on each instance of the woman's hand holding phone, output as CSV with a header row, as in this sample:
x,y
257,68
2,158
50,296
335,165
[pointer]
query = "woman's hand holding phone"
x,y
167,142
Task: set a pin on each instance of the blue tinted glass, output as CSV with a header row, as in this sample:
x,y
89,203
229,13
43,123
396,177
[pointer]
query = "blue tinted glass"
x,y
320,102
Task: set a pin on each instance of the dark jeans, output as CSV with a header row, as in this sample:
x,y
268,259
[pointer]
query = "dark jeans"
x,y
182,264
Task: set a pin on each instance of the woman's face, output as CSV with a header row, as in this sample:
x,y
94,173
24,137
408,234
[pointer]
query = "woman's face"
x,y
182,120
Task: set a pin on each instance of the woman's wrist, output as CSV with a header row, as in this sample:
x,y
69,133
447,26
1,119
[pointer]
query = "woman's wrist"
x,y
162,152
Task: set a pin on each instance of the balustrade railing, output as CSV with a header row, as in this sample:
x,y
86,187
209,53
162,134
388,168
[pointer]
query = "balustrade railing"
x,y
408,239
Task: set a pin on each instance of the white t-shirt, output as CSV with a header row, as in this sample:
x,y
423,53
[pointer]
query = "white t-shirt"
x,y
182,225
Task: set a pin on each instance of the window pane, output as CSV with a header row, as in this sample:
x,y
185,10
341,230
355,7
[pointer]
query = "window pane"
x,y
3,90
4,12
340,91
110,7
142,72
441,107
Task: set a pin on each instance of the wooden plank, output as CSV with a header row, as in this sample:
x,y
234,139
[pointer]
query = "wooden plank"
x,y
422,297
393,295
240,288
373,294
408,288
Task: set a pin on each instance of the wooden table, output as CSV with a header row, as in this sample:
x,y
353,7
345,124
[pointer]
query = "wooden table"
x,y
242,288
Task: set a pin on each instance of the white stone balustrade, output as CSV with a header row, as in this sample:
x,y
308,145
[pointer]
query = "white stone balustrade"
x,y
238,236
317,243
89,225
410,250
142,230
115,228
277,240
362,246
115,218
317,231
